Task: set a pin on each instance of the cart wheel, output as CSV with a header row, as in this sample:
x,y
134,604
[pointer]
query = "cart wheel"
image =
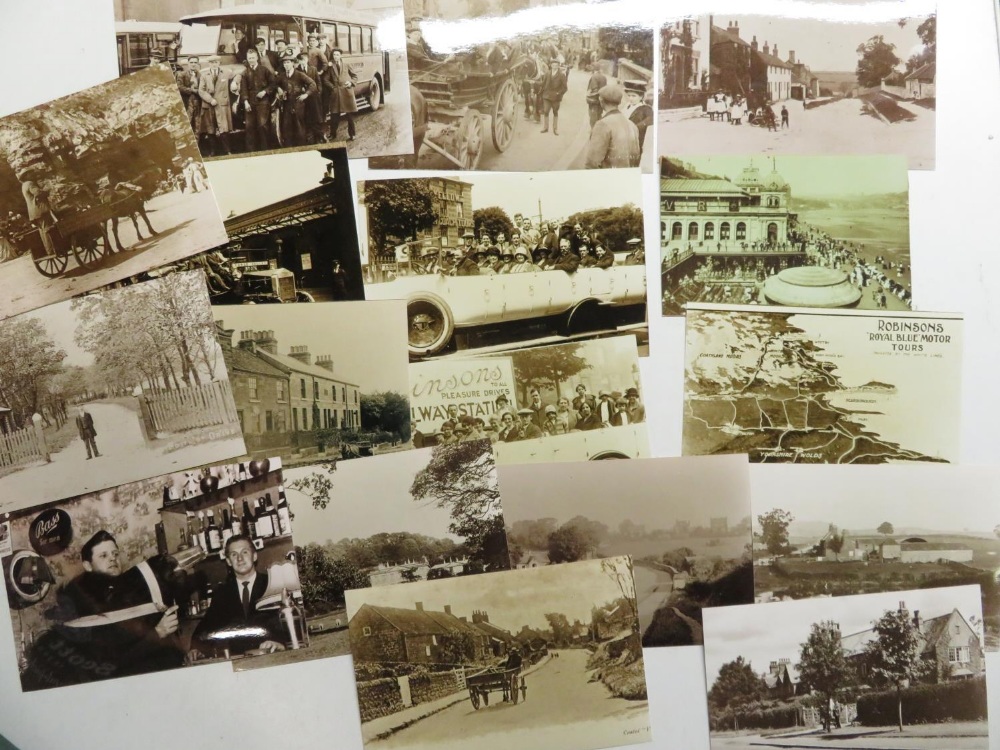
x,y
514,694
88,252
51,265
474,697
524,690
505,116
469,141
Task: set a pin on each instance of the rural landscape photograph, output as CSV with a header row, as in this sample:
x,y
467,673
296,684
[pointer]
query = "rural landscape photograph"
x,y
685,522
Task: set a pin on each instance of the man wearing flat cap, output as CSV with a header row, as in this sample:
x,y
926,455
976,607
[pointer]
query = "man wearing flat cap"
x,y
614,141
526,427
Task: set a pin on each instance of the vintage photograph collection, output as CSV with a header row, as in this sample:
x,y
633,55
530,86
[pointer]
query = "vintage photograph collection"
x,y
399,465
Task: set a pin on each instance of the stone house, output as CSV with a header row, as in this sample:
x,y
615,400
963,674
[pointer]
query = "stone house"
x,y
415,636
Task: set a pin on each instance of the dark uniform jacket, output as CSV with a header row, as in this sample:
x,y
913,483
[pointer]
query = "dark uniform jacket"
x,y
254,81
567,261
337,80
226,626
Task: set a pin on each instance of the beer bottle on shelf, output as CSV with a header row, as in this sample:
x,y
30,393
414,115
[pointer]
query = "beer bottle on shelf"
x,y
272,512
265,525
206,600
213,534
234,520
187,533
284,516
242,476
227,526
193,537
202,531
249,527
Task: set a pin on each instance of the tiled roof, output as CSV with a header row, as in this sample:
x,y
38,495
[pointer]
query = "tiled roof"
x,y
932,630
772,60
924,72
680,186
720,36
409,621
493,631
289,363
244,361
452,623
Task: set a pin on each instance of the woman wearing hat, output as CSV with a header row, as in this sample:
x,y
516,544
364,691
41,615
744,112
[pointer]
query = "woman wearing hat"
x,y
521,263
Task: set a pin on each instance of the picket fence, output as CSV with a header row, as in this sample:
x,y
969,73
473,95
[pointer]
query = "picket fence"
x,y
190,408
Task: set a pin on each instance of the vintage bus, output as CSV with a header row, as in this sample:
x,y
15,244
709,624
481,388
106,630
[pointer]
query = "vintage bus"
x,y
136,39
354,33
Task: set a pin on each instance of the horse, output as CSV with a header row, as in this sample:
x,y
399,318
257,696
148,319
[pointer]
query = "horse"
x,y
130,199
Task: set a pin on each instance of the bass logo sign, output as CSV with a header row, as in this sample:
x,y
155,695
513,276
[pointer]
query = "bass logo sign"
x,y
51,532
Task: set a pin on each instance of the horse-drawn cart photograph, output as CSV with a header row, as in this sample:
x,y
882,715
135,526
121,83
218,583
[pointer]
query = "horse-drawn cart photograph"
x,y
99,186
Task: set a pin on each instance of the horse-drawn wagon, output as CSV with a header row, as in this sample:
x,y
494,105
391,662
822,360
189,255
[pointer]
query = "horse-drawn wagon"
x,y
496,679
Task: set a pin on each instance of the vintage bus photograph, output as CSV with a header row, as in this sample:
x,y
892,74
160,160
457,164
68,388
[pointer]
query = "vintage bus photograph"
x,y
262,77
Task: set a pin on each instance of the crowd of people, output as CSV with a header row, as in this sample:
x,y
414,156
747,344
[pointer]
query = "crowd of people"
x,y
722,107
537,419
281,97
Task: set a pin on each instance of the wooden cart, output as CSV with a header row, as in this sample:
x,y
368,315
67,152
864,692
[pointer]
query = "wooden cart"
x,y
495,679
83,235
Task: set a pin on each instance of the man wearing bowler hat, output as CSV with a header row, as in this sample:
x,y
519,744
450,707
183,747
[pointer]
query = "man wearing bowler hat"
x,y
614,140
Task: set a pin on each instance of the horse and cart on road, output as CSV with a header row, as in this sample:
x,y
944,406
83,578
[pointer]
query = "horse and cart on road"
x,y
507,681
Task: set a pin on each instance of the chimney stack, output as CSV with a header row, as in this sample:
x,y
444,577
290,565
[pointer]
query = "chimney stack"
x,y
301,353
734,28
791,57
753,43
325,361
767,48
774,51
774,667
419,606
447,609
263,340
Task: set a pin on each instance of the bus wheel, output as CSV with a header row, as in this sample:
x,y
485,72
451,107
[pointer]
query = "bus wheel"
x,y
375,94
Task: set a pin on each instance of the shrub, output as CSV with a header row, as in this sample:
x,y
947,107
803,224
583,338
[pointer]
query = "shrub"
x,y
964,700
755,716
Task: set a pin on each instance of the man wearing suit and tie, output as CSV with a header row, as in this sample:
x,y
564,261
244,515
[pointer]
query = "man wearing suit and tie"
x,y
257,87
339,80
232,621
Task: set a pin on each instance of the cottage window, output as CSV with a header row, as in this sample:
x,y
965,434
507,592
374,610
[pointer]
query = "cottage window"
x,y
434,640
280,389
355,397
958,655
269,420
315,390
343,394
427,650
366,631
302,387
252,386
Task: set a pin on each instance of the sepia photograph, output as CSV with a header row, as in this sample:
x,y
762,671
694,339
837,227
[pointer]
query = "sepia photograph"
x,y
685,522
489,80
112,387
257,77
309,385
147,577
90,191
834,386
546,394
776,85
429,514
540,659
859,532
798,231
904,669
501,262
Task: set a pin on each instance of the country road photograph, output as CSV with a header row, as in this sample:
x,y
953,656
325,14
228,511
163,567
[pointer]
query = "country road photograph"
x,y
540,659
684,521
110,388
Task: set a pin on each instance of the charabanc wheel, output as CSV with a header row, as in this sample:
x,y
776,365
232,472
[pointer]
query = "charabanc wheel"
x,y
89,251
430,324
375,95
514,695
469,141
505,116
51,265
301,296
474,697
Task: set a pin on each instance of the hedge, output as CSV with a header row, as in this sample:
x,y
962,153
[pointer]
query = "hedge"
x,y
755,717
964,700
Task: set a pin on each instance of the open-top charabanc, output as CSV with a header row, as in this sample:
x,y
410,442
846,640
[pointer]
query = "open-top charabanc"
x,y
493,680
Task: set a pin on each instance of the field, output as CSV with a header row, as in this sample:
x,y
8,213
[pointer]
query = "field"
x,y
726,547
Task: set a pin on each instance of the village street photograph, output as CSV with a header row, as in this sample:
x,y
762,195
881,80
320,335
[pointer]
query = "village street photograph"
x,y
903,670
308,384
540,659
140,578
773,85
499,262
855,532
797,231
421,515
98,186
285,76
523,92
112,387
685,522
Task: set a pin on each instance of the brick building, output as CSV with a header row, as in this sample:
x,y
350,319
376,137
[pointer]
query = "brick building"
x,y
415,636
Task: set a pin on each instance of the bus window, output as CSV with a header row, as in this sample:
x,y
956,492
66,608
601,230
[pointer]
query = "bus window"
x,y
227,41
138,50
367,34
312,27
330,32
356,39
262,32
342,41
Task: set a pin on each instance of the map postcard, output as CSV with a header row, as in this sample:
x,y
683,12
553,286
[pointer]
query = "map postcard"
x,y
862,83
508,260
898,669
423,515
567,402
144,577
112,387
318,382
684,521
291,75
860,530
92,191
835,386
539,659
796,231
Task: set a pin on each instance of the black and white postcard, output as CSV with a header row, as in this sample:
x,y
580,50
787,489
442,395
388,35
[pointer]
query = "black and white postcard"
x,y
834,386
684,521
507,261
568,402
799,231
900,669
112,387
429,514
498,85
318,382
284,76
544,659
90,191
807,85
859,531
146,576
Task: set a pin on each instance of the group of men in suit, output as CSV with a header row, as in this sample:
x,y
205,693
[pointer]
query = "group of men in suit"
x,y
281,97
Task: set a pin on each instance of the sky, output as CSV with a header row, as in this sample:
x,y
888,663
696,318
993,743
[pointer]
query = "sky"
x,y
817,176
825,45
655,492
511,598
749,630
244,184
60,322
344,330
938,498
369,496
